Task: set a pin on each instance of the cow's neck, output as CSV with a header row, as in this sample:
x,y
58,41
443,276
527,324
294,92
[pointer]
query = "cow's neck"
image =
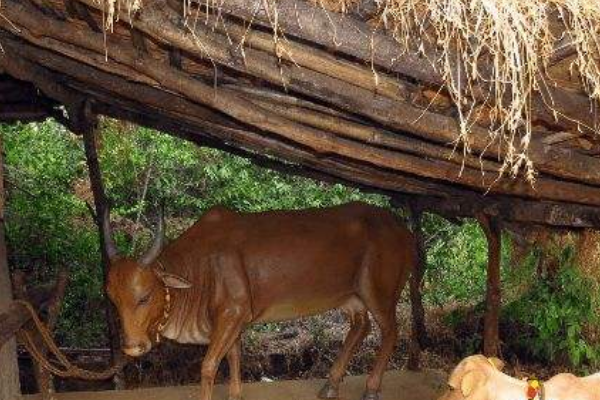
x,y
187,318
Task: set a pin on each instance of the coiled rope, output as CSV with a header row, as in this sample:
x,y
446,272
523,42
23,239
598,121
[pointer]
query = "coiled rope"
x,y
62,367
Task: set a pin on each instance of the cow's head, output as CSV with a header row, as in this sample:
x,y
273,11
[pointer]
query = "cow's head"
x,y
472,377
138,290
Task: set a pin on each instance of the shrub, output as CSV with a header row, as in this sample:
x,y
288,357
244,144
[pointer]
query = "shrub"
x,y
553,313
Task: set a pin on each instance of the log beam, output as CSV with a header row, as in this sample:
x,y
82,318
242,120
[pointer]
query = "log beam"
x,y
384,110
460,202
357,39
379,148
227,102
563,163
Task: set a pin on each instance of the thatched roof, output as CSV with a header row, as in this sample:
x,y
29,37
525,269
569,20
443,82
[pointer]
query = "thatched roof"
x,y
461,106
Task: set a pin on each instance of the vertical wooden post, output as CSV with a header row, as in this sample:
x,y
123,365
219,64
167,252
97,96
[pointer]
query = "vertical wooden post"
x,y
86,125
419,338
9,369
493,233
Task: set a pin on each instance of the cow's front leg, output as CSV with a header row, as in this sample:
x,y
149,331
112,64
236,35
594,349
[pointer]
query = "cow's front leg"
x,y
226,331
235,374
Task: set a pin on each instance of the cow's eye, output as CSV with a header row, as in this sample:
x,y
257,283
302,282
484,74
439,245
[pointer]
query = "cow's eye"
x,y
145,299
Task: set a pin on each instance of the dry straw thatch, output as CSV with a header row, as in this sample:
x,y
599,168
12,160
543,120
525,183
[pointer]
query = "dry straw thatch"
x,y
493,53
505,46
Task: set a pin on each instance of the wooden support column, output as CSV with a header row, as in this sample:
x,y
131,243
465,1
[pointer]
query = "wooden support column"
x,y
419,338
11,320
9,369
85,123
493,232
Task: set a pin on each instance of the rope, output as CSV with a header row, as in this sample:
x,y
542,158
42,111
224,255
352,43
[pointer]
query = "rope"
x,y
64,369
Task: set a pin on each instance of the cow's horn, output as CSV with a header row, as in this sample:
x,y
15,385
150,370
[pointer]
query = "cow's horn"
x,y
159,240
109,244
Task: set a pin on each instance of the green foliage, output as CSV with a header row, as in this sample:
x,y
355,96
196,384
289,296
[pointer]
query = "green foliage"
x,y
553,313
456,261
48,227
192,179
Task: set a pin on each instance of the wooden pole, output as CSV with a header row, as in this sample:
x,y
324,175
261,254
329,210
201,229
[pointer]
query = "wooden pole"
x,y
9,369
419,338
86,124
493,233
12,318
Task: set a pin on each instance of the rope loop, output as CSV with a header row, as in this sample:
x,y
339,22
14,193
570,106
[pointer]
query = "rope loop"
x,y
62,367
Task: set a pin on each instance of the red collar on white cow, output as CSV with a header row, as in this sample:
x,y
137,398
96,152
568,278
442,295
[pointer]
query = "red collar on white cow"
x,y
166,309
535,390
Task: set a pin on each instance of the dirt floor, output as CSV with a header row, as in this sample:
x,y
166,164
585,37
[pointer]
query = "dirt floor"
x,y
404,385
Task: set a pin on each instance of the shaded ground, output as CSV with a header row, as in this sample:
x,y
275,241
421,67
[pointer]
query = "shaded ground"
x,y
397,385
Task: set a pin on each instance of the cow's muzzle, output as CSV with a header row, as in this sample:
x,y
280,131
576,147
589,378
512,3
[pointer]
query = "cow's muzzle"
x,y
137,349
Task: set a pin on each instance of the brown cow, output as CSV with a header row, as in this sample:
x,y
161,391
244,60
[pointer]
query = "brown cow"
x,y
232,269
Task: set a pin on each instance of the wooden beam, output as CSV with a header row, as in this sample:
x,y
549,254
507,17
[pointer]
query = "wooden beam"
x,y
493,233
9,369
240,109
184,118
345,94
567,164
358,39
78,75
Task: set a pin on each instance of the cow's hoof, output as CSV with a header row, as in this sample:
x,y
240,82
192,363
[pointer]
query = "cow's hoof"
x,y
328,391
368,395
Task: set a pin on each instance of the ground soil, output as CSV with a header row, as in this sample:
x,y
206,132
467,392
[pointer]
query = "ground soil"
x,y
404,385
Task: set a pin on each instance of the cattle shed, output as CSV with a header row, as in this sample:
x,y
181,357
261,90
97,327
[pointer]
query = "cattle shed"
x,y
485,108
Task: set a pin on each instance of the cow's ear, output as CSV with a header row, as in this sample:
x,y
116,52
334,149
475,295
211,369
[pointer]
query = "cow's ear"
x,y
172,280
497,363
472,381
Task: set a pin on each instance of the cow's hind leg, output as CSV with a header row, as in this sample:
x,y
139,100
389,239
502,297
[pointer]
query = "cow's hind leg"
x,y
379,287
356,312
386,319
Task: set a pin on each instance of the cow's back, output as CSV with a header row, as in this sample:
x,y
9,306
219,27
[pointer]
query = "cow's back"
x,y
297,262
304,262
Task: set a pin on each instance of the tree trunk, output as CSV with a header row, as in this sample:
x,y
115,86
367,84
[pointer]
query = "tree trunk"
x,y
493,233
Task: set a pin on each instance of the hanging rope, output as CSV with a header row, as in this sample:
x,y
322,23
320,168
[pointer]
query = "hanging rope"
x,y
61,367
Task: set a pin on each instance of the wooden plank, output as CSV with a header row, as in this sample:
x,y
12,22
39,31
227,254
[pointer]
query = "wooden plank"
x,y
9,369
